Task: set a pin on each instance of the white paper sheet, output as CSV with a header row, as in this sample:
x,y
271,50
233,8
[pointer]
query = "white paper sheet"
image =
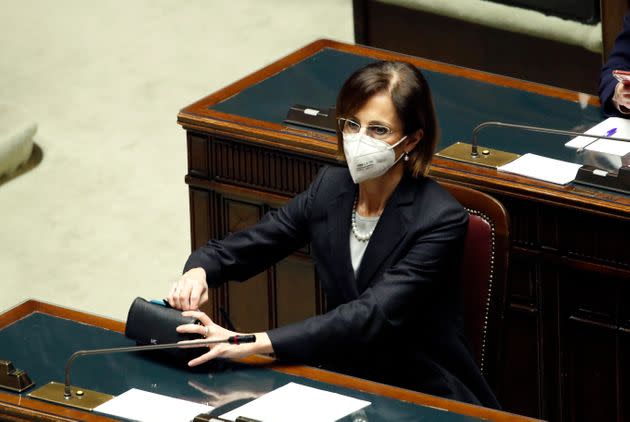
x,y
143,406
295,402
613,126
542,168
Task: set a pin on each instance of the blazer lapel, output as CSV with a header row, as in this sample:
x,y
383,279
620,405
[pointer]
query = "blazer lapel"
x,y
339,215
389,232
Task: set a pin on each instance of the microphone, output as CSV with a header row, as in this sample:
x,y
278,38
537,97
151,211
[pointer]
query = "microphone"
x,y
51,391
600,169
474,146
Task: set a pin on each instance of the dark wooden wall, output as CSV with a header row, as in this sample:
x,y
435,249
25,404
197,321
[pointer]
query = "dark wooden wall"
x,y
453,41
612,12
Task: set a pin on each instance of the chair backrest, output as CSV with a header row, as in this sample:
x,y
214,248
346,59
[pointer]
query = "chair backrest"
x,y
483,274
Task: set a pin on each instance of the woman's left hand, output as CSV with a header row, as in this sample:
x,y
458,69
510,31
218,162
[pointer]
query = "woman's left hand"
x,y
212,331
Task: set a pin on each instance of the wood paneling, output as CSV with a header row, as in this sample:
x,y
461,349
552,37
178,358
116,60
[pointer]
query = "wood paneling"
x,y
520,388
433,36
612,12
592,345
296,290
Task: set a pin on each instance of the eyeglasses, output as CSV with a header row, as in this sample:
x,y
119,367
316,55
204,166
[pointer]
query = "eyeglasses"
x,y
352,126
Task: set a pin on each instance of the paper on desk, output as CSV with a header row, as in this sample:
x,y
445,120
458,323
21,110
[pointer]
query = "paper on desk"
x,y
143,406
295,402
542,168
613,126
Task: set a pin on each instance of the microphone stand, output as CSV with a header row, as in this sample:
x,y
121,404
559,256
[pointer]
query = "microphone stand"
x,y
616,175
87,399
599,169
474,152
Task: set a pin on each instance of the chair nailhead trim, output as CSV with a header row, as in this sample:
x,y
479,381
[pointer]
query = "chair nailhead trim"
x,y
490,286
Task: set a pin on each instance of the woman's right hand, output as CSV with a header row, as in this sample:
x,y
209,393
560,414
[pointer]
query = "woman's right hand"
x,y
622,96
190,292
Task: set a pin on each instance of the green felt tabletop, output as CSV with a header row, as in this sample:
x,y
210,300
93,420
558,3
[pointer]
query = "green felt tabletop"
x,y
461,104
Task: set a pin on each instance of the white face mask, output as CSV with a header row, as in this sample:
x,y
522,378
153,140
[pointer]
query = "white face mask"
x,y
368,157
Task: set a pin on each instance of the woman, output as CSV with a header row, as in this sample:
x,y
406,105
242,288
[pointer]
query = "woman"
x,y
386,242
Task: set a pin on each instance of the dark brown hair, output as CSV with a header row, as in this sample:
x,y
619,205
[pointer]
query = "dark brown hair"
x,y
412,100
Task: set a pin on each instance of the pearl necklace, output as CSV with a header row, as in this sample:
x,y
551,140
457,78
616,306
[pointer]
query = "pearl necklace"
x,y
355,231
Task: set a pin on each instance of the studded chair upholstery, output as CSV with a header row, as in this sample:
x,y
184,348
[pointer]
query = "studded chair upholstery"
x,y
483,274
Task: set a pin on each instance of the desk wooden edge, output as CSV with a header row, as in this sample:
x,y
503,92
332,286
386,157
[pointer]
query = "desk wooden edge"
x,y
26,407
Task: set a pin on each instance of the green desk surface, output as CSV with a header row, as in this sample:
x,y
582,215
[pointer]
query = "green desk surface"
x,y
41,344
461,104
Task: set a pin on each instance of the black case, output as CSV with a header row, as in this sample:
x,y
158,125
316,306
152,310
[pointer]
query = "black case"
x,y
149,323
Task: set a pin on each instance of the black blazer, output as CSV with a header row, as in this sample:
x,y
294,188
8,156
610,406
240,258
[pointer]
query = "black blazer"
x,y
399,321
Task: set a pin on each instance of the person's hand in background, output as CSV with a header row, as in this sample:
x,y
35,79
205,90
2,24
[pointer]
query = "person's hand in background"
x,y
622,97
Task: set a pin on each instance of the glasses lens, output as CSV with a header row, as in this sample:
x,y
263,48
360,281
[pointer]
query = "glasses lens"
x,y
378,131
349,126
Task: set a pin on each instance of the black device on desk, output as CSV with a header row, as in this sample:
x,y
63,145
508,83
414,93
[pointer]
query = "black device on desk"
x,y
12,378
312,117
593,176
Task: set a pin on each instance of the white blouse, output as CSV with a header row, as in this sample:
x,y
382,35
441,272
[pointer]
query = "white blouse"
x,y
357,247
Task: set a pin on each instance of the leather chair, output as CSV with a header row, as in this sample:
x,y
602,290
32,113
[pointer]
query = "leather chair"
x,y
483,275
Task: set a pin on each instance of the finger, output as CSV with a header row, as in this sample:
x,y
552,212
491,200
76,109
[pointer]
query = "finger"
x,y
184,295
171,295
195,295
191,329
201,316
177,293
204,297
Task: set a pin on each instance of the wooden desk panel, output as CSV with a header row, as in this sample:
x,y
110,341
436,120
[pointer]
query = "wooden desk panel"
x,y
562,236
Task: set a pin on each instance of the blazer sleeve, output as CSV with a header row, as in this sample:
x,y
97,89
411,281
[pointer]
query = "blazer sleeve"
x,y
619,59
387,304
244,254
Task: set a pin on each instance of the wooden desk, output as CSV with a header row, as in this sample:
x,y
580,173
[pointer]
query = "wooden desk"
x,y
566,340
49,334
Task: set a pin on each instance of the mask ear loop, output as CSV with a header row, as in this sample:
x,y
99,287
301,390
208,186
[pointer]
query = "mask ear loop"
x,y
404,154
